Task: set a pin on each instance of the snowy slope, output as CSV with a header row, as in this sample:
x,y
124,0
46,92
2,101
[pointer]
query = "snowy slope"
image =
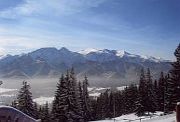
x,y
116,53
134,118
167,118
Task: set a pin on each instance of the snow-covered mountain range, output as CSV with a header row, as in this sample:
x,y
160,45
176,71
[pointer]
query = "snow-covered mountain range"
x,y
101,66
106,55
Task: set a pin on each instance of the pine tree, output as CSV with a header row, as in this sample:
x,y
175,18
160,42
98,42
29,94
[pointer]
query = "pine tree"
x,y
142,95
125,107
36,111
40,111
99,107
93,109
80,102
161,92
87,106
155,86
102,103
151,103
45,116
24,100
166,95
173,83
73,114
60,103
67,104
119,104
156,94
132,94
110,106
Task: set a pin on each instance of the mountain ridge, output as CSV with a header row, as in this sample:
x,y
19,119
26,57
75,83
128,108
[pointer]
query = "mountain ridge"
x,y
119,53
101,66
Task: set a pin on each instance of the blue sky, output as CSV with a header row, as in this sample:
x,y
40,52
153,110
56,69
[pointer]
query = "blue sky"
x,y
147,27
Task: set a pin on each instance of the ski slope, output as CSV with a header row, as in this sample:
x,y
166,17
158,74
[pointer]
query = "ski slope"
x,y
134,118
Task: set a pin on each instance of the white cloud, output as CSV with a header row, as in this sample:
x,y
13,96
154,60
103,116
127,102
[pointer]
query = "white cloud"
x,y
18,44
50,7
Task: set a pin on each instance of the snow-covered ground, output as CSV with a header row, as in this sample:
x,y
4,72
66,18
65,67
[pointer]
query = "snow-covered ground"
x,y
42,100
7,95
4,90
95,92
133,118
121,88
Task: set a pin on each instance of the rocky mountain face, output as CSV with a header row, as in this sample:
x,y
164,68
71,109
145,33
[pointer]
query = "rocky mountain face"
x,y
103,67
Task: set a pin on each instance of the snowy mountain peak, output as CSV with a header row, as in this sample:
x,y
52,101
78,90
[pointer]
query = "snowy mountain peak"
x,y
99,51
157,59
121,53
4,56
88,50
51,61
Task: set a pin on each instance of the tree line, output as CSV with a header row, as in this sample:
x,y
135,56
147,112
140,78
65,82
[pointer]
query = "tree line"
x,y
148,96
73,104
71,101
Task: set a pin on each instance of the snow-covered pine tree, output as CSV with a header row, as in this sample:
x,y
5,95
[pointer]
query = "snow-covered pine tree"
x,y
93,109
36,111
99,107
142,95
66,104
40,111
24,100
125,101
161,92
166,96
118,103
151,103
156,93
45,116
87,106
173,83
73,114
60,103
110,106
155,86
80,102
102,103
132,94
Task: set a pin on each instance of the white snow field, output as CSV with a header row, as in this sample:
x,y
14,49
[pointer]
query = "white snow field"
x,y
133,118
42,100
4,90
7,95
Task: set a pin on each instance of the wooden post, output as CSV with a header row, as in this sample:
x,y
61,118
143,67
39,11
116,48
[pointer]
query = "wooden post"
x,y
178,112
